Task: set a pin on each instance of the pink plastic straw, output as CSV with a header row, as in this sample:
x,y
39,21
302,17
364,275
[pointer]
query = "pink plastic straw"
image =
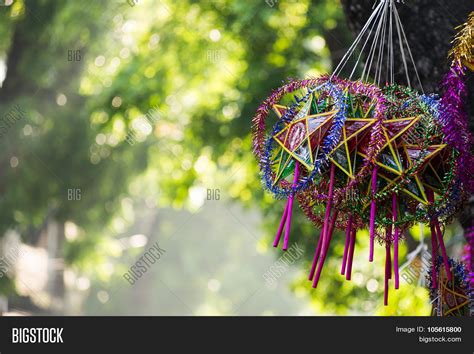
x,y
280,228
317,252
435,223
288,225
372,214
443,249
388,272
331,227
434,256
388,263
389,237
326,228
290,208
346,245
329,234
351,254
395,239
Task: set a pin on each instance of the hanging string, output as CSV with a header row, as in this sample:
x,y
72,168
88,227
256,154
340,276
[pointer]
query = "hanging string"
x,y
380,59
353,46
392,58
370,57
378,68
379,13
400,27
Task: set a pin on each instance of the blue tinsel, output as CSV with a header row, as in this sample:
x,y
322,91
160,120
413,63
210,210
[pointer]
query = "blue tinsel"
x,y
329,143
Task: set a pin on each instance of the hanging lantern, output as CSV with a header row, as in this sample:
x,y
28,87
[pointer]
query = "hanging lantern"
x,y
360,154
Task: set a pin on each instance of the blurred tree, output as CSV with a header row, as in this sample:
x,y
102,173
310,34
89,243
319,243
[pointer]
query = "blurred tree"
x,y
53,166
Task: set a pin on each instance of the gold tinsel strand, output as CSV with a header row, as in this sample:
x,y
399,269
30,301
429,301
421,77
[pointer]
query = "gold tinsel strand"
x,y
463,44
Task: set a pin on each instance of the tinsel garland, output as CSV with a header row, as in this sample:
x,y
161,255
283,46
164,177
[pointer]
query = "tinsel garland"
x,y
454,118
462,52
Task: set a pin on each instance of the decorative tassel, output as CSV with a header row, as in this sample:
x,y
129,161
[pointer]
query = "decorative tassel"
x,y
388,234
317,252
326,228
395,239
290,207
439,235
388,262
351,254
434,256
388,273
372,214
346,245
325,251
280,228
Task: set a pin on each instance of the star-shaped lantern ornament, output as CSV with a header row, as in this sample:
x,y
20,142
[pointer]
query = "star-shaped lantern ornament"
x,y
300,139
397,157
355,135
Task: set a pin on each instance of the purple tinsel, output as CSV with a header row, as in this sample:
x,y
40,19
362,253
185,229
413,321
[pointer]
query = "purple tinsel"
x,y
455,125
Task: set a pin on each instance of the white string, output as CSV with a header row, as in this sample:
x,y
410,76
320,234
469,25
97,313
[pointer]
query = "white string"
x,y
408,47
357,40
365,44
378,70
402,51
382,20
370,58
392,59
372,47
